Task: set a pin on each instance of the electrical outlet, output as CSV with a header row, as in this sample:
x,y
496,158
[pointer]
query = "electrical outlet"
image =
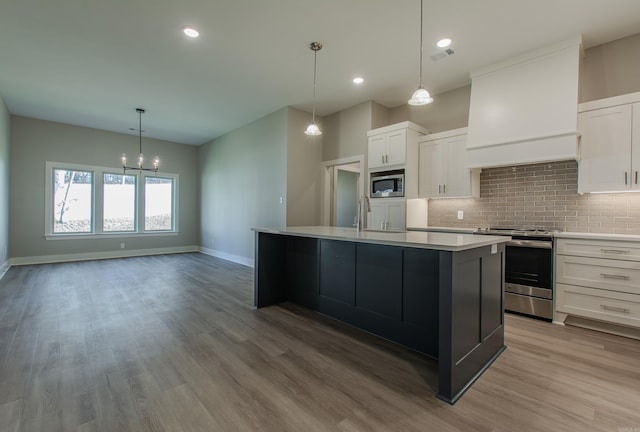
x,y
460,215
121,245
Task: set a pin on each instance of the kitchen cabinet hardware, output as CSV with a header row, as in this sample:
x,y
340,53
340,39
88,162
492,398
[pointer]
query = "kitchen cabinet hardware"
x,y
626,175
598,280
614,308
614,276
636,182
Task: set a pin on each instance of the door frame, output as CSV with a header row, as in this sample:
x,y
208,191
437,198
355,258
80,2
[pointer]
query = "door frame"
x,y
329,174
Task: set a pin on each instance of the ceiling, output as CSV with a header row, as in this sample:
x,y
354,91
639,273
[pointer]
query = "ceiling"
x,y
92,62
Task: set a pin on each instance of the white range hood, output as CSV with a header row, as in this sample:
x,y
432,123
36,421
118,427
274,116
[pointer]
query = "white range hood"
x,y
525,110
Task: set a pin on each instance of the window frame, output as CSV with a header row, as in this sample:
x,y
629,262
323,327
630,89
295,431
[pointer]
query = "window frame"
x,y
97,211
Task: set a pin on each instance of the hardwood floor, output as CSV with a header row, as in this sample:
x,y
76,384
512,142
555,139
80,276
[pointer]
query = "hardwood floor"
x,y
172,343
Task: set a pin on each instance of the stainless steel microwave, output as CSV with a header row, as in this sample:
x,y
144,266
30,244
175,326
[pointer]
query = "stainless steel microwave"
x,y
385,184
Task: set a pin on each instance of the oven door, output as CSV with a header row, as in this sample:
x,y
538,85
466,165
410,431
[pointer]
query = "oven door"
x,y
529,263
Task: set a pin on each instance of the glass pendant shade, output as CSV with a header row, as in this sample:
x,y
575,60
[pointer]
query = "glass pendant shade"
x,y
420,97
313,130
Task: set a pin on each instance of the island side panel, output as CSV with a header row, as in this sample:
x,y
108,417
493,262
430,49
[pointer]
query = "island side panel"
x,y
270,275
302,270
471,317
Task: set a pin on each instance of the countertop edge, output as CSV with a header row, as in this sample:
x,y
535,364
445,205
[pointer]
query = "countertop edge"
x,y
348,234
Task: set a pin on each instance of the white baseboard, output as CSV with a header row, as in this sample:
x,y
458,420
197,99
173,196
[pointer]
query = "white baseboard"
x,y
48,259
4,268
249,262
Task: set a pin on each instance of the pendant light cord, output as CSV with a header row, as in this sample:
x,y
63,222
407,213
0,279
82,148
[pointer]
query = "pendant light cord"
x,y
421,18
315,69
140,130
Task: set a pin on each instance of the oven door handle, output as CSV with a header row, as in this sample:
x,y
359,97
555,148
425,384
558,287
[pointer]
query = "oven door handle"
x,y
536,244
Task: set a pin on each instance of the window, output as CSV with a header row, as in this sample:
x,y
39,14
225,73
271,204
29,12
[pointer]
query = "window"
x,y
158,209
119,202
87,201
72,201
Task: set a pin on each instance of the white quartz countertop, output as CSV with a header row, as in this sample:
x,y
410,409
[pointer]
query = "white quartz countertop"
x,y
443,229
418,239
597,236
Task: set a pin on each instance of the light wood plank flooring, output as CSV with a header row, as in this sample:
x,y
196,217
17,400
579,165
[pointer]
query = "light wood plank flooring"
x,y
172,343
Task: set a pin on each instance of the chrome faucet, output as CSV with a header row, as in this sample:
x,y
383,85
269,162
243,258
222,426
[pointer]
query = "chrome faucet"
x,y
364,200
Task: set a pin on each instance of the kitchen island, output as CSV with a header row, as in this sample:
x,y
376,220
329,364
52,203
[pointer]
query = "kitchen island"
x,y
440,294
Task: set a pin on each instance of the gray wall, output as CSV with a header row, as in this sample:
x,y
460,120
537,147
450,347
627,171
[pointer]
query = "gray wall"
x,y
611,69
304,157
243,174
346,130
449,110
33,142
5,139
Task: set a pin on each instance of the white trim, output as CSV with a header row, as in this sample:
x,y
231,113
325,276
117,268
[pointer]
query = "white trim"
x,y
445,134
48,259
104,235
249,262
327,188
4,268
625,99
97,211
528,57
398,126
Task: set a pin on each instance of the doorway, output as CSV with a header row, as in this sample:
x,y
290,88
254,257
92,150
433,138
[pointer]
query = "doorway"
x,y
342,190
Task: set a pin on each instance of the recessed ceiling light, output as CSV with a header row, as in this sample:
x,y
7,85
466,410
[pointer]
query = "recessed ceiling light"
x,y
443,43
358,80
190,31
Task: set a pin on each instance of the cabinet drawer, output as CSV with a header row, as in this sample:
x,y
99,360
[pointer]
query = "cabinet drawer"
x,y
612,275
619,250
614,307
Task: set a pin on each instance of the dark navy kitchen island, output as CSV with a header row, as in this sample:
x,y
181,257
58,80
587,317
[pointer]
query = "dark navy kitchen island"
x,y
439,294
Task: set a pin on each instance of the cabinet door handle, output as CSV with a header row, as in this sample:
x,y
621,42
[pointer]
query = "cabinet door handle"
x,y
444,188
613,276
616,251
636,177
626,177
382,159
615,309
386,158
439,189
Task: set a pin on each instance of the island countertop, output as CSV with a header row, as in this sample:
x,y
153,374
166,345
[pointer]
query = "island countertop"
x,y
418,239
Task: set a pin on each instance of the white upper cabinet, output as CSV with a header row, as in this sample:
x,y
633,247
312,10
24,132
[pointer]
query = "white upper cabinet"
x,y
523,110
443,166
610,145
389,145
387,149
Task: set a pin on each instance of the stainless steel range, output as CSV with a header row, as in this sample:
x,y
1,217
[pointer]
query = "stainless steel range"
x,y
528,271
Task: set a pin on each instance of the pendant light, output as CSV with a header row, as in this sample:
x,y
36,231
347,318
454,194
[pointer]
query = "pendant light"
x,y
421,96
313,129
140,167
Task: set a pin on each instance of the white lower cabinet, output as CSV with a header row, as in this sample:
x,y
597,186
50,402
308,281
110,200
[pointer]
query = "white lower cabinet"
x,y
387,214
599,280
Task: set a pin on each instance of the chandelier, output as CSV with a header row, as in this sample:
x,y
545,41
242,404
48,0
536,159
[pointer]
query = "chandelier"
x,y
140,166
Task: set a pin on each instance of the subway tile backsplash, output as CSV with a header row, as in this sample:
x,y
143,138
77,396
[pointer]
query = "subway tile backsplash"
x,y
539,196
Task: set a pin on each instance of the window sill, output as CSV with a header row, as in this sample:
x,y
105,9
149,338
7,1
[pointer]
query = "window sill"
x,y
87,236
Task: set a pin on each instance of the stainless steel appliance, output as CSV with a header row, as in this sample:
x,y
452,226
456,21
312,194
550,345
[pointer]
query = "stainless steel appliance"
x,y
528,271
384,184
